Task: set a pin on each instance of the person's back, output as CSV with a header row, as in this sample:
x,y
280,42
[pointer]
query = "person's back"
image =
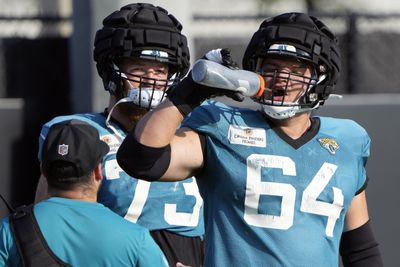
x,y
87,234
78,230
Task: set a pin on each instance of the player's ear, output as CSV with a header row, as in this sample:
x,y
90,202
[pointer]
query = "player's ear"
x,y
98,176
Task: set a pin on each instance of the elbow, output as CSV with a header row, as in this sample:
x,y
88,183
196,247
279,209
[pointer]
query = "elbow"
x,y
143,162
124,161
130,166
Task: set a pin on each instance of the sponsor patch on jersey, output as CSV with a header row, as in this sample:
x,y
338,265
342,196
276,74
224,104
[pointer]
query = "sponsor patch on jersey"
x,y
111,141
329,144
247,136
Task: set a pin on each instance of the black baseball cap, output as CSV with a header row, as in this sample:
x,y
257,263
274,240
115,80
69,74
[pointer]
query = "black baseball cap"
x,y
71,149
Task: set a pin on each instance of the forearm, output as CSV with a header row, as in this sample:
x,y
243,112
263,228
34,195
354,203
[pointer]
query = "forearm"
x,y
146,152
359,248
157,127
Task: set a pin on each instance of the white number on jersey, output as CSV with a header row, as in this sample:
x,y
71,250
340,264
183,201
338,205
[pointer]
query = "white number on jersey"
x,y
171,216
309,203
183,218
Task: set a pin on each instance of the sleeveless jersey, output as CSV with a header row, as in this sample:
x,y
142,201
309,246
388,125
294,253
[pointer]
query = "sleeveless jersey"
x,y
172,206
268,203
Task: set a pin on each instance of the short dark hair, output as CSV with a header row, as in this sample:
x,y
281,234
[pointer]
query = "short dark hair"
x,y
63,168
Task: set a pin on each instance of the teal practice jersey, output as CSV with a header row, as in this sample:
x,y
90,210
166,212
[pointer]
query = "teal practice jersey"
x,y
173,206
83,234
272,201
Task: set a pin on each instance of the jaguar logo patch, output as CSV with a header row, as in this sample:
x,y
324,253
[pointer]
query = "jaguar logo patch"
x,y
329,144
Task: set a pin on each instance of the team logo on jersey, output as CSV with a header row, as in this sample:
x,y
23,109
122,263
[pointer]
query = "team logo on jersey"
x,y
63,149
246,136
330,144
111,141
106,139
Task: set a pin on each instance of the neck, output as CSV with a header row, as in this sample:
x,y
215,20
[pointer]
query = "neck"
x,y
295,126
82,194
125,114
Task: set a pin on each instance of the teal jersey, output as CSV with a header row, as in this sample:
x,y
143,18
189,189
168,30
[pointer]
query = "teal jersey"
x,y
86,234
271,201
173,206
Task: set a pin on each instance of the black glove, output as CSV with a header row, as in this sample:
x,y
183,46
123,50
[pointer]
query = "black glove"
x,y
187,94
223,57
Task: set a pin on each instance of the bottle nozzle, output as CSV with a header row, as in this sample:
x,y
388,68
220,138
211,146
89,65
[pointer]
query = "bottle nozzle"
x,y
261,87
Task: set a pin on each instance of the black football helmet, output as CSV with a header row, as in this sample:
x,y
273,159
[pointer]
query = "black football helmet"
x,y
140,31
301,37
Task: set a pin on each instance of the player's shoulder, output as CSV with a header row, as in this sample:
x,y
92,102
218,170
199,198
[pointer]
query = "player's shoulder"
x,y
346,132
111,218
216,111
90,118
213,105
96,120
342,126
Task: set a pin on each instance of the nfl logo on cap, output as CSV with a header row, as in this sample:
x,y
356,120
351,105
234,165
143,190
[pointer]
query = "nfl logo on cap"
x,y
63,149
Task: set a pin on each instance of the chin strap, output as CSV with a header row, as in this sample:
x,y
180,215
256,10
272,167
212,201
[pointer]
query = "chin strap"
x,y
108,124
141,97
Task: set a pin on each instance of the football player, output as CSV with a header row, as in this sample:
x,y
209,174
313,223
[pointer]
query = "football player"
x,y
140,51
281,187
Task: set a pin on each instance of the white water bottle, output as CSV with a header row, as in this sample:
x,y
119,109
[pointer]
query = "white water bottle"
x,y
212,74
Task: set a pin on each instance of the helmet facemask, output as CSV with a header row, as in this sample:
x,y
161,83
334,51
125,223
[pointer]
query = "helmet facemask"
x,y
143,85
145,77
142,89
300,37
290,80
150,92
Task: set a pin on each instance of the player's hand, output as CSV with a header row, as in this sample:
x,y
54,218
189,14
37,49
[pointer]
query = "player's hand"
x,y
223,57
187,94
